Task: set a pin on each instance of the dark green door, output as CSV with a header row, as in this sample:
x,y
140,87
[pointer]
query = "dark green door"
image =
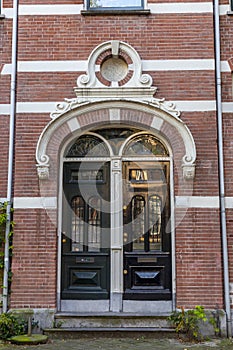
x,y
86,231
147,242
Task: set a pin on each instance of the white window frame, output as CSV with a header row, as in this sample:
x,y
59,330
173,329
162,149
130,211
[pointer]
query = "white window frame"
x,y
119,8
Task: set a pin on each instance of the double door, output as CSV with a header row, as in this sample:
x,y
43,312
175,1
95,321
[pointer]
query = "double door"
x,y
86,238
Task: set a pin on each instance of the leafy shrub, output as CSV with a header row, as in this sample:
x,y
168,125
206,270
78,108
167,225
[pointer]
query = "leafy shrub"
x,y
187,322
10,325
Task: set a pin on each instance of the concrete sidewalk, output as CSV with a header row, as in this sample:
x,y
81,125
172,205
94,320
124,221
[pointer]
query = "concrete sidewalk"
x,y
123,343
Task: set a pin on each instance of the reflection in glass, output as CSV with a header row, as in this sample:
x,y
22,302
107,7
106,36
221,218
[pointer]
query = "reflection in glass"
x,y
94,224
154,213
87,175
145,145
146,175
86,224
138,221
77,228
146,223
88,146
115,3
116,136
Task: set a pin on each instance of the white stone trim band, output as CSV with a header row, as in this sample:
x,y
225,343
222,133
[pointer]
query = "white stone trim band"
x,y
180,202
183,106
35,202
147,65
160,8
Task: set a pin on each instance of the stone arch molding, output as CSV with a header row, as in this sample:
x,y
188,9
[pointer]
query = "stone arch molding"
x,y
114,90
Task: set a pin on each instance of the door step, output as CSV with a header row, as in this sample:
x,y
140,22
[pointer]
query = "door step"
x,y
106,324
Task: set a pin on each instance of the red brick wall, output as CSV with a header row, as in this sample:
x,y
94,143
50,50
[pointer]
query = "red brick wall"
x,y
34,260
226,23
73,37
173,36
199,262
28,130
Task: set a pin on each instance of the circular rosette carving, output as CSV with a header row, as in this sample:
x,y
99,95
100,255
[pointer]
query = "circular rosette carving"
x,y
146,79
83,80
44,159
188,159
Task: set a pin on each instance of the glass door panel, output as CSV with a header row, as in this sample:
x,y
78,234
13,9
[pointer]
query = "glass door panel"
x,y
94,224
78,219
146,212
86,231
155,221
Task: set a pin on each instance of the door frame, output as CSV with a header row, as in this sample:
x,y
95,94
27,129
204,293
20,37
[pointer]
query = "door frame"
x,y
116,302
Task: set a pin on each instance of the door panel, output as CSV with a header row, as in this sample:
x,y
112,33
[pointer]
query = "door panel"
x,y
147,276
85,276
86,231
146,212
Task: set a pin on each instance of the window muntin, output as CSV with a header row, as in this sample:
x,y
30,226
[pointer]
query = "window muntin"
x,y
116,136
78,221
94,224
155,221
138,221
146,223
86,225
115,4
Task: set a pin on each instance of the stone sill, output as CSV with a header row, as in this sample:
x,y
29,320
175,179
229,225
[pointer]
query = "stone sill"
x,y
2,16
230,13
114,12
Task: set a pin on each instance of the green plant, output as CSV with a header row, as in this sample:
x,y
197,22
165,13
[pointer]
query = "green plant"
x,y
11,325
188,322
57,324
3,220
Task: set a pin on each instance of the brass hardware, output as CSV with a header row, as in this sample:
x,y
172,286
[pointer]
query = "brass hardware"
x,y
125,272
85,260
147,260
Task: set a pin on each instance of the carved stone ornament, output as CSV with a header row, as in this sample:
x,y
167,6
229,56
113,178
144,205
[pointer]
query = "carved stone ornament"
x,y
43,172
114,76
112,64
188,171
114,72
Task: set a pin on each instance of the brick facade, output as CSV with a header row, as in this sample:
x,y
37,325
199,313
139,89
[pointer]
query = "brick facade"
x,y
156,37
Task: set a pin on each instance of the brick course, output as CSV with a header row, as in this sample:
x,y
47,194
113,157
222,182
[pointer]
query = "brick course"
x,y
155,37
34,260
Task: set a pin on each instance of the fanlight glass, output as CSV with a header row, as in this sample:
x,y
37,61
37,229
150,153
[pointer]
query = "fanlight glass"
x,y
145,144
88,146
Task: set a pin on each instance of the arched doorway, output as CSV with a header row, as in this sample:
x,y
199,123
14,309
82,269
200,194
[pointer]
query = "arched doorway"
x,y
125,187
116,234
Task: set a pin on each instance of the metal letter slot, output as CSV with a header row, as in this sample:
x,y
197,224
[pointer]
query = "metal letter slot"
x,y
147,260
85,260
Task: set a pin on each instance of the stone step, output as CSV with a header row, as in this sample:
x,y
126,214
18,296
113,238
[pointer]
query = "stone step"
x,y
111,321
73,333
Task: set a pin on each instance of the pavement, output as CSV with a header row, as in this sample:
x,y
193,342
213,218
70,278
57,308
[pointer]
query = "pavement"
x,y
123,343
